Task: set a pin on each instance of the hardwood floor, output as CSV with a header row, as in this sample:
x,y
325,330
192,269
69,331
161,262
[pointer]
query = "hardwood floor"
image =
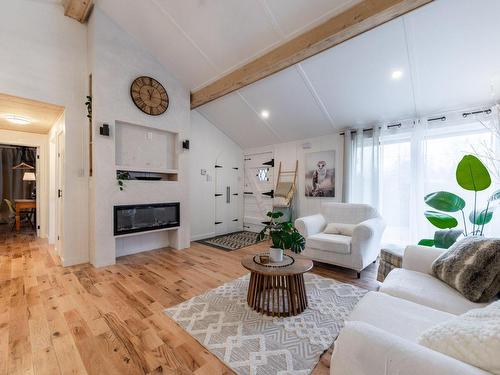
x,y
83,320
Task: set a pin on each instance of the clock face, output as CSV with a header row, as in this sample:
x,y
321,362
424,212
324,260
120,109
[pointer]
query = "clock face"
x,y
149,96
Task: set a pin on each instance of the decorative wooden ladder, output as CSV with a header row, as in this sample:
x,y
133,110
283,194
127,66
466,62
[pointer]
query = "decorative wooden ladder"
x,y
286,184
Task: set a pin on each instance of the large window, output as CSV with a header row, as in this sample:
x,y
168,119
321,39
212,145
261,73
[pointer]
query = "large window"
x,y
395,187
413,165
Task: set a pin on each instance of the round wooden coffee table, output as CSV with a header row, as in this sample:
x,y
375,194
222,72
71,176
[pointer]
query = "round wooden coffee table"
x,y
277,291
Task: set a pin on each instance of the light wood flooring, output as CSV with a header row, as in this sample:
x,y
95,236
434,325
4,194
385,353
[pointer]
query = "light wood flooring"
x,y
83,320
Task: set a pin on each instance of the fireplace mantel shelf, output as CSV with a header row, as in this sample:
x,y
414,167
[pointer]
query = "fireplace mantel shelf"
x,y
145,169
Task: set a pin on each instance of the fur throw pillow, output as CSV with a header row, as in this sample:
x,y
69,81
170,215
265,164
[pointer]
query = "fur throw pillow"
x,y
473,338
471,266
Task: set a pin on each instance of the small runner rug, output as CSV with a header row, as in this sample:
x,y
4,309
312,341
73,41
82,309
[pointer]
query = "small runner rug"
x,y
252,343
231,241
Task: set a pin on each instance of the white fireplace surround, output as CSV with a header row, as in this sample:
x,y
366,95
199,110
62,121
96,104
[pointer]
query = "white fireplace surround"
x,y
116,60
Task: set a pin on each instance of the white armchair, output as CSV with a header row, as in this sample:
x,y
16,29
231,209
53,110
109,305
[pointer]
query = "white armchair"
x,y
356,252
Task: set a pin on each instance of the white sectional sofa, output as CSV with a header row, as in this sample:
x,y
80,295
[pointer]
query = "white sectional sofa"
x,y
381,334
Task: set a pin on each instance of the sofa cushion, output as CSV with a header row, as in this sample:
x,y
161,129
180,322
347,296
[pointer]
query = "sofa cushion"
x,y
362,349
340,228
471,266
397,316
473,338
335,243
426,290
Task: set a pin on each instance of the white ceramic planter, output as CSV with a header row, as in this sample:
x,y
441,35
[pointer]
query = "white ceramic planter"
x,y
276,255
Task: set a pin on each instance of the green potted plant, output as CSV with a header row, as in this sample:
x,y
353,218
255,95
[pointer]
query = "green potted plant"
x,y
472,175
283,236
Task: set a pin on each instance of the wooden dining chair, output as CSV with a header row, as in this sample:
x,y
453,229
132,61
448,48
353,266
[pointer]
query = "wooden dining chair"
x,y
24,215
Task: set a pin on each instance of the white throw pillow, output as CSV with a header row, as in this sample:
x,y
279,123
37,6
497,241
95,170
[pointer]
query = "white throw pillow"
x,y
473,338
340,228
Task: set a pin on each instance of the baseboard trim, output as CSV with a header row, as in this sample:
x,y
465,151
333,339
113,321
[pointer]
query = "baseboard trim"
x,y
73,261
202,236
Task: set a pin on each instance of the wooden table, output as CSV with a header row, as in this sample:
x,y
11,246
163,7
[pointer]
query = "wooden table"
x,y
277,291
22,205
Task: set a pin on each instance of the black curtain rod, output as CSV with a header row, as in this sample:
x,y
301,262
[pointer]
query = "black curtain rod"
x,y
466,114
442,118
398,125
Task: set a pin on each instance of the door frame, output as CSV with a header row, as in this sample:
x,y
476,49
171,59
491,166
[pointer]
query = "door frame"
x,y
59,192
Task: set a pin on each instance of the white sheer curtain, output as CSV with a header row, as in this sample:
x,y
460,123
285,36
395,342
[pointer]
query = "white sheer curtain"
x,y
394,169
362,165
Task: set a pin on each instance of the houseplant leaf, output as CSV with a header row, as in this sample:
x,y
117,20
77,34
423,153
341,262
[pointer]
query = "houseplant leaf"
x,y
275,214
481,217
297,242
440,220
426,242
445,238
444,201
472,175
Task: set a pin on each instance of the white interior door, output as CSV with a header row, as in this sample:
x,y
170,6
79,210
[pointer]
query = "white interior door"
x,y
227,212
258,190
59,191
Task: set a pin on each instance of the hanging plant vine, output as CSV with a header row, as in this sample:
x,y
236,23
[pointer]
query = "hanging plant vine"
x,y
88,104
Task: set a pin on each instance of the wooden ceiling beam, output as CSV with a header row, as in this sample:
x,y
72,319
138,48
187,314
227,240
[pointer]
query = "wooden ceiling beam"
x,y
356,20
78,9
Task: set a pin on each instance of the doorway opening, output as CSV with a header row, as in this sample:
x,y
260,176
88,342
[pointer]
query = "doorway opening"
x,y
18,169
31,175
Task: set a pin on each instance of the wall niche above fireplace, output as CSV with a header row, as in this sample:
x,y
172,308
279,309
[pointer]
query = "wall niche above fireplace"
x,y
144,149
145,217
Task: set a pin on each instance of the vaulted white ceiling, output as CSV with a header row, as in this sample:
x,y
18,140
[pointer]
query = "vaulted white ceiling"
x,y
201,40
448,52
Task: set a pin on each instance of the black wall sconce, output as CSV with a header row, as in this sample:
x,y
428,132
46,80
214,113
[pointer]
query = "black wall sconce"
x,y
104,130
185,144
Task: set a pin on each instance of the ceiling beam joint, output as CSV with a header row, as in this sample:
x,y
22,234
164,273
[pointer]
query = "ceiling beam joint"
x,y
78,9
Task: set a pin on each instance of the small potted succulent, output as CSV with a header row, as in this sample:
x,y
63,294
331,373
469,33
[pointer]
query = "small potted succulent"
x,y
283,236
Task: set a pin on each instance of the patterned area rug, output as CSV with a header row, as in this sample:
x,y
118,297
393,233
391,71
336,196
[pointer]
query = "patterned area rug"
x,y
231,241
251,343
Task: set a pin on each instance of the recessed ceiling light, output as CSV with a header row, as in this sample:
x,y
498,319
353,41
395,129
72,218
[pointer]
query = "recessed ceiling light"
x,y
264,113
397,74
19,120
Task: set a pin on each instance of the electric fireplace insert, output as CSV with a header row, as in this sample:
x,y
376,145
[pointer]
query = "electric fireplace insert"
x,y
145,217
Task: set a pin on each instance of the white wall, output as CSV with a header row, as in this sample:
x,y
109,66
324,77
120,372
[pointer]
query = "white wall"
x,y
43,57
289,152
207,143
115,60
41,142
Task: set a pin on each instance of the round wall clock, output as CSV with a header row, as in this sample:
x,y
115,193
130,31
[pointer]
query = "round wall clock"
x,y
149,96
